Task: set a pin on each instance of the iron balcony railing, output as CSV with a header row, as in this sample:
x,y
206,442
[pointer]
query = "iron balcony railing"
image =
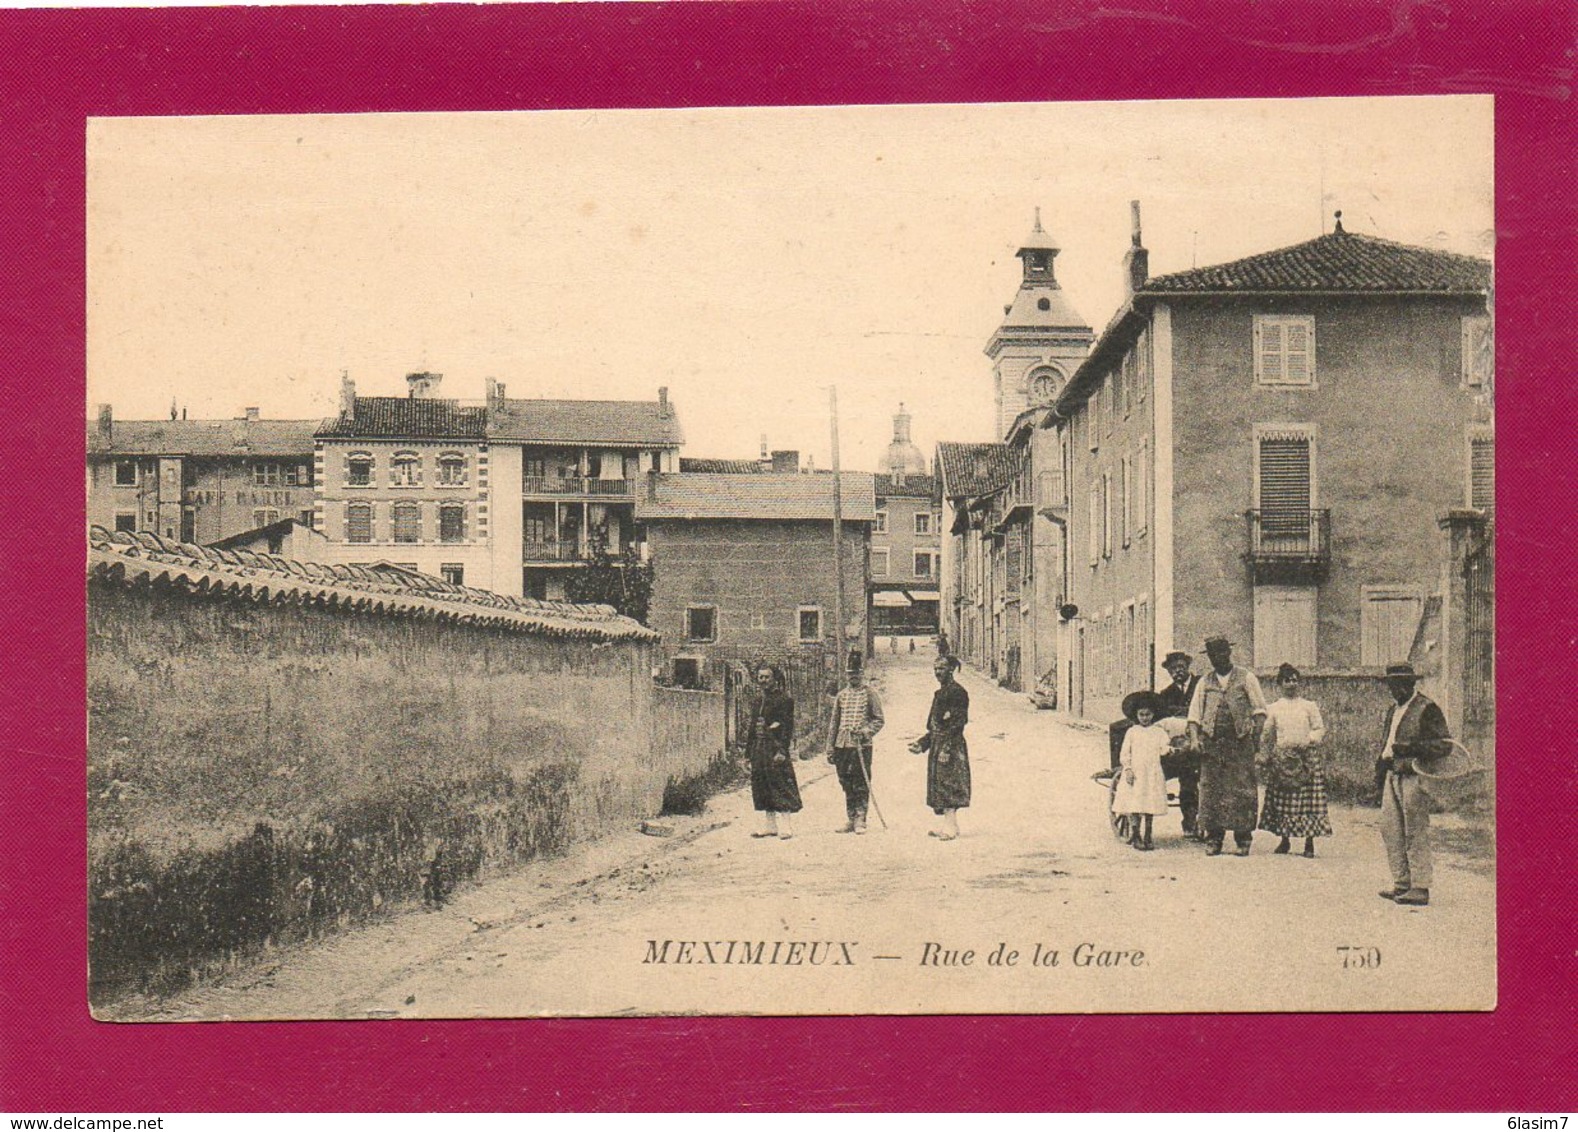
x,y
576,485
1290,543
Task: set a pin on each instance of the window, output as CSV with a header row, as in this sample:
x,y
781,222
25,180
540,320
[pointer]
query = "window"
x,y
452,470
1482,470
687,672
701,623
359,522
188,525
125,520
1284,626
534,468
1388,619
263,516
405,470
923,522
266,474
882,523
1479,351
879,562
925,563
452,523
125,475
305,518
1285,479
810,620
1285,349
407,522
359,470
1109,390
453,573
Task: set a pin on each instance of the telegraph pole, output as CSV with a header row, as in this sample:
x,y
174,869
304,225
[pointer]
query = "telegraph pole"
x,y
838,542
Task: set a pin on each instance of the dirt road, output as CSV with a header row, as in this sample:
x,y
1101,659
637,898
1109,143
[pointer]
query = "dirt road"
x,y
901,922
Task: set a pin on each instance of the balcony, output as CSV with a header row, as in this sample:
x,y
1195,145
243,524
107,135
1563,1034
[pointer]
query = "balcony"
x,y
577,485
1289,546
544,553
552,552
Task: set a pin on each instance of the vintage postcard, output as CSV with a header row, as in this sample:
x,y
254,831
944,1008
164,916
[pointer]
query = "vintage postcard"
x,y
930,559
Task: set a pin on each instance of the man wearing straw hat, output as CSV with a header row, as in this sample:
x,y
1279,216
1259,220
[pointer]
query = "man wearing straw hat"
x,y
1415,731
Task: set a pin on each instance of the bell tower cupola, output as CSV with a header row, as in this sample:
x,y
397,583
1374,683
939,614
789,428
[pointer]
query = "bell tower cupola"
x,y
1042,338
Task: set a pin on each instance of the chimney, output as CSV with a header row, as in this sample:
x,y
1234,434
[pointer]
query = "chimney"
x,y
251,412
1136,261
665,410
106,423
347,396
423,384
785,461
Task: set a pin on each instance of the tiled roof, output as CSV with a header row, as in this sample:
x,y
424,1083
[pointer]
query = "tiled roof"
x,y
719,467
973,469
1337,261
239,437
766,495
398,417
143,559
917,486
646,423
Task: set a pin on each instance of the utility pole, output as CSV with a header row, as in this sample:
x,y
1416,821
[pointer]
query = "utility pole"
x,y
838,542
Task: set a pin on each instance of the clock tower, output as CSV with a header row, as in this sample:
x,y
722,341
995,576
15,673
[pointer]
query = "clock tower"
x,y
1042,338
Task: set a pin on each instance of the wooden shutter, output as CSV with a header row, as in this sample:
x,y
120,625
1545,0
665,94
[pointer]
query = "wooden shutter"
x,y
407,522
1268,350
1482,473
1285,485
359,522
1387,625
1095,523
1284,626
1479,353
1297,347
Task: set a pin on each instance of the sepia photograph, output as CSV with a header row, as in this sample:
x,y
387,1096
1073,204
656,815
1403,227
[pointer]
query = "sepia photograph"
x,y
1011,558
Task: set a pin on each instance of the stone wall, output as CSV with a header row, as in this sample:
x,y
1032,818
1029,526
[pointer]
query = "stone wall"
x,y
260,771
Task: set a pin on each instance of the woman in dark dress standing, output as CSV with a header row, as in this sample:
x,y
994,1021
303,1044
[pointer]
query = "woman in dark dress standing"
x,y
948,758
768,741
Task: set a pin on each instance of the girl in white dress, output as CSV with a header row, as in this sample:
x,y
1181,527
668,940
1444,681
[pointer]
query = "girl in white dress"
x,y
1142,787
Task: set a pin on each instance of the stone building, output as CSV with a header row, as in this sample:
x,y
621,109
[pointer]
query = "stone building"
x,y
1011,583
906,542
409,480
198,481
967,475
510,495
1263,450
744,567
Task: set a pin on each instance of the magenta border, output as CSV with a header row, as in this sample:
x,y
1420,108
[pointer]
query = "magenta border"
x,y
61,66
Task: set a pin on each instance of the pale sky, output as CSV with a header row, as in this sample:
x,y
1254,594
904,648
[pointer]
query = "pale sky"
x,y
745,258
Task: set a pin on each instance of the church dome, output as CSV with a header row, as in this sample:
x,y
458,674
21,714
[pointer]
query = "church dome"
x,y
903,458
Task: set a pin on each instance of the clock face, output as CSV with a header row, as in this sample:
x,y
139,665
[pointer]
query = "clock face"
x,y
1043,386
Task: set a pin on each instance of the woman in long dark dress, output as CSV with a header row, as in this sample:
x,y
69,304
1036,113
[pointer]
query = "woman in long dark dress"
x,y
947,755
768,742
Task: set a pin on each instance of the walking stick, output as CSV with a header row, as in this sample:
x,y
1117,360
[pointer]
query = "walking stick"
x,y
870,793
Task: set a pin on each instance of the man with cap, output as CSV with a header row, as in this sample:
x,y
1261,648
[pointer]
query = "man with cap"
x,y
1184,765
1415,730
857,717
1225,717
